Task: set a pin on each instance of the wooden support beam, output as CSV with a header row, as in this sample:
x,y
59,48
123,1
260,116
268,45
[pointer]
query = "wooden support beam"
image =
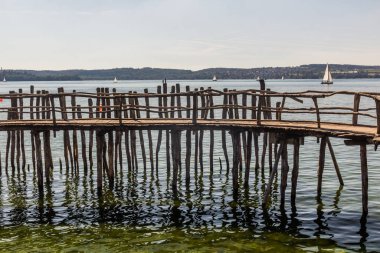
x,y
335,162
273,173
357,142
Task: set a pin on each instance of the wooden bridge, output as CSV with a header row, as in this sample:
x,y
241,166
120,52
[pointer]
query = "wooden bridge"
x,y
281,118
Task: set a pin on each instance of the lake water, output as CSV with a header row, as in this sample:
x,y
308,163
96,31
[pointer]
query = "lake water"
x,y
140,215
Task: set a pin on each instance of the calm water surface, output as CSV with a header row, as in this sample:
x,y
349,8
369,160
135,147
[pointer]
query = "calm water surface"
x,y
140,214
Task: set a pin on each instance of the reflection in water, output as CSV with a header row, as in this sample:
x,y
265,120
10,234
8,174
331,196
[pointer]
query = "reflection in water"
x,y
141,200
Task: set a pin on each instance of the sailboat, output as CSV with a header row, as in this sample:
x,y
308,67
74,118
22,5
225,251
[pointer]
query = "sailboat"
x,y
4,80
214,78
115,80
327,79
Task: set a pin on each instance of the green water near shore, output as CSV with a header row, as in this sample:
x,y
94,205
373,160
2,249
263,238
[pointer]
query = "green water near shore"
x,y
110,238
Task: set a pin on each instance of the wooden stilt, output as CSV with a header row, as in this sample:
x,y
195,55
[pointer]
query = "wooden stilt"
x,y
111,172
188,137
175,155
273,173
150,141
83,142
321,166
75,137
47,156
99,156
211,153
284,173
364,174
40,180
179,113
91,134
31,104
201,132
296,158
165,99
141,136
224,142
159,137
235,168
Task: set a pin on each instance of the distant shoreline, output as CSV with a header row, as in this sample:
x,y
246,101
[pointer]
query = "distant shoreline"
x,y
311,71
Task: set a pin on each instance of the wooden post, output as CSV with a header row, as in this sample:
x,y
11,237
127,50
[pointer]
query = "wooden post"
x,y
224,116
31,104
111,171
269,116
51,97
188,136
165,91
356,109
321,166
133,135
212,116
99,156
83,142
40,180
278,114
141,136
195,106
284,173
378,114
13,115
91,138
255,135
334,161
178,91
75,137
150,141
364,174
235,167
175,155
159,137
317,111
21,102
201,132
296,158
47,156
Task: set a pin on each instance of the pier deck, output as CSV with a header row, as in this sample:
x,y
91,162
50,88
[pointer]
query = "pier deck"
x,y
302,128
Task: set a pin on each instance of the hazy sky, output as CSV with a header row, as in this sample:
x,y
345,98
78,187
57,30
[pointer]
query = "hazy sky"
x,y
190,34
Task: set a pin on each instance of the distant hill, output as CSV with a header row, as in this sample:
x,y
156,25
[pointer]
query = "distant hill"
x,y
311,71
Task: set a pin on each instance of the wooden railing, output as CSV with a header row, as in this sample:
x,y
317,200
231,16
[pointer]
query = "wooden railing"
x,y
191,104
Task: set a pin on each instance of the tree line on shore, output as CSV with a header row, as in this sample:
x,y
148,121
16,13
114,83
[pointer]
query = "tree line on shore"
x,y
310,71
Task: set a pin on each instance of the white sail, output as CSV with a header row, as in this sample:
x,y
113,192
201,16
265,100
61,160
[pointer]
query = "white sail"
x,y
4,80
327,78
115,80
214,78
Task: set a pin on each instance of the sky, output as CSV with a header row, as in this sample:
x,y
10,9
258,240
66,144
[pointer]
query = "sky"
x,y
187,34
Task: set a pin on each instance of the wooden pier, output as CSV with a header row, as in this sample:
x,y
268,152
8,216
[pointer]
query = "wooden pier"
x,y
93,126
